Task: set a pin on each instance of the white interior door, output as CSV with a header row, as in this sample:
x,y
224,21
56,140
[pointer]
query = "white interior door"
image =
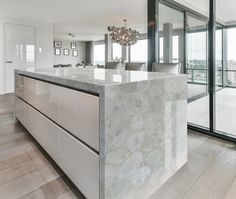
x,y
19,52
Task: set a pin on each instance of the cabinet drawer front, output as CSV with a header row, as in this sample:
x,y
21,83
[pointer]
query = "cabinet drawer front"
x,y
79,114
20,110
19,86
43,130
43,96
80,164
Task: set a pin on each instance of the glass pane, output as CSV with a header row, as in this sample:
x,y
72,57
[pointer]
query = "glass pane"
x,y
197,71
161,49
225,96
171,35
175,50
231,57
116,51
139,51
99,54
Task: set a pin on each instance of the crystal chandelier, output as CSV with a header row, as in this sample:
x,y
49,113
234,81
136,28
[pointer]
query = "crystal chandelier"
x,y
123,36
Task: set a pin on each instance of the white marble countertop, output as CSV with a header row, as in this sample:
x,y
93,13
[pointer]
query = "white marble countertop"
x,y
96,77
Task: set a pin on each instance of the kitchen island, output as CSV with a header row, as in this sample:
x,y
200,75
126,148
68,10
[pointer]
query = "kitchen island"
x,y
116,134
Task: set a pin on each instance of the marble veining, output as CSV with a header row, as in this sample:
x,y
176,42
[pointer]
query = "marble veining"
x,y
91,79
145,136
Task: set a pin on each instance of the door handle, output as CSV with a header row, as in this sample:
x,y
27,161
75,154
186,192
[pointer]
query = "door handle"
x,y
8,62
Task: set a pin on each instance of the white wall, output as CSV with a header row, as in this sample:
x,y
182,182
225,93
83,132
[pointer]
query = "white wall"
x,y
44,40
63,59
1,56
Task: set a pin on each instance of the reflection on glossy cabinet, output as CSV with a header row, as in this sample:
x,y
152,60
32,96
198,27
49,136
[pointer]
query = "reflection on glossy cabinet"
x,y
42,129
43,96
76,111
80,164
79,113
20,110
19,86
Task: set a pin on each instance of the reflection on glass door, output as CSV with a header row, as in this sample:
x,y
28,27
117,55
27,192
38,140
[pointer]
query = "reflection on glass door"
x,y
171,35
197,71
225,91
226,95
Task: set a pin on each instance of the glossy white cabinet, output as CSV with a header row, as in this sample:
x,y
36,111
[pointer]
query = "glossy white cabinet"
x,y
80,164
76,111
42,129
43,107
43,96
19,86
20,110
79,114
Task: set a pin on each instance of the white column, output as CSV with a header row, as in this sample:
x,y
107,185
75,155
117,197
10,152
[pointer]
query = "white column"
x,y
108,48
168,33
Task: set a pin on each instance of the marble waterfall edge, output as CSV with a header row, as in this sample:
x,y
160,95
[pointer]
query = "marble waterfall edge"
x,y
145,136
142,126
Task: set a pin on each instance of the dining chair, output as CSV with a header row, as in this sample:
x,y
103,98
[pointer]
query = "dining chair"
x,y
166,68
134,66
111,65
57,66
66,65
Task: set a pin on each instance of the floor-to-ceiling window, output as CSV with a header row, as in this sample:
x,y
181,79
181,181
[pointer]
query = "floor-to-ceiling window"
x,y
211,73
116,51
138,51
225,98
99,54
197,71
175,49
231,57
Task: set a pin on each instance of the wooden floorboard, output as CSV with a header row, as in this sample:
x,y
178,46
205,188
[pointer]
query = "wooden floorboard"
x,y
215,181
199,158
26,172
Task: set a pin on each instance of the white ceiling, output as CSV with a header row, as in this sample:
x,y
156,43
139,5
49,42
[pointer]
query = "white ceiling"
x,y
86,18
225,9
169,15
89,19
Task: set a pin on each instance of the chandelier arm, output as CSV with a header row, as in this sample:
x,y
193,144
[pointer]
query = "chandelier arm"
x,y
123,36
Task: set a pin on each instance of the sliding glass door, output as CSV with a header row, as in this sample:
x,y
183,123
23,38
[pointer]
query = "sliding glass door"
x,y
225,92
209,60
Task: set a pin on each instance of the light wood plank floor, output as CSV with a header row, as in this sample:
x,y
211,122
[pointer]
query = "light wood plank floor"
x,y
26,172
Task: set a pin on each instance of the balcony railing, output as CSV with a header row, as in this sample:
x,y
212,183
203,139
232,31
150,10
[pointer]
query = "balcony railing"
x,y
198,74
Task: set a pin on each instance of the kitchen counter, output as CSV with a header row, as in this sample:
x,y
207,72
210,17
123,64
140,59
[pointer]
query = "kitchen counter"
x,y
126,131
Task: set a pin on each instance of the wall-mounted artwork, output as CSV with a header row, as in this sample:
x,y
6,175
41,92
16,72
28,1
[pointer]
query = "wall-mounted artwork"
x,y
75,53
57,44
73,45
66,52
57,51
